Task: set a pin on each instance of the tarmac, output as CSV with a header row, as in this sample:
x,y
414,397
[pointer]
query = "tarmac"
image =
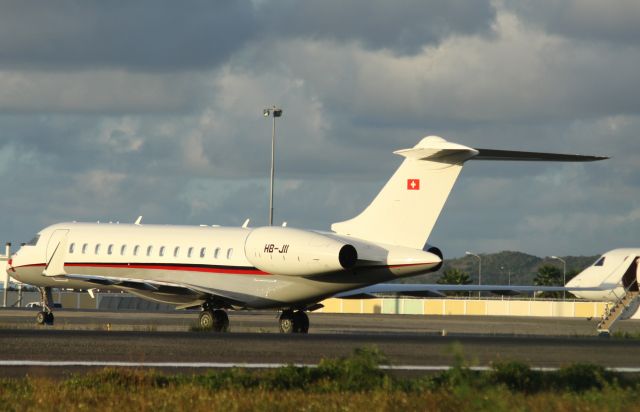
x,y
421,341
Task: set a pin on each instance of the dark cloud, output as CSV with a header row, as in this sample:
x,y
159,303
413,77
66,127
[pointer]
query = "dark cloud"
x,y
148,35
404,27
615,21
165,35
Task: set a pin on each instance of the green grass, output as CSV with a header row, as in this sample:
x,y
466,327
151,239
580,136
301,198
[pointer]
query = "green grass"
x,y
352,383
625,335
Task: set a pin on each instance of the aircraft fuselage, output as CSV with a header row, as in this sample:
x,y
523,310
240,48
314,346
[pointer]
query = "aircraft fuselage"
x,y
268,267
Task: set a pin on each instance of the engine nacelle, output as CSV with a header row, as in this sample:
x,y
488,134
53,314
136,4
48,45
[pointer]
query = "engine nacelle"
x,y
436,251
295,252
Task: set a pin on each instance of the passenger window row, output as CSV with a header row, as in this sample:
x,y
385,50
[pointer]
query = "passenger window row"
x,y
216,253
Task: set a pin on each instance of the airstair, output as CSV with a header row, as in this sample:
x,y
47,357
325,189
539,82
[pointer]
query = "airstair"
x,y
614,312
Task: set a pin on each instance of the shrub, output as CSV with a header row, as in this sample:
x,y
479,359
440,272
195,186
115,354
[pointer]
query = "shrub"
x,y
358,372
516,376
581,377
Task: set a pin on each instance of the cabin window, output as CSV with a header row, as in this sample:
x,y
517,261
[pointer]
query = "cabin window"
x,y
189,252
216,253
110,249
84,248
203,252
600,262
97,250
149,250
229,253
71,247
161,252
136,249
176,251
123,249
34,241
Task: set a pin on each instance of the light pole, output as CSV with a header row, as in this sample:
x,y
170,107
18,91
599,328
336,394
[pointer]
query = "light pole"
x,y
508,274
564,275
479,268
273,112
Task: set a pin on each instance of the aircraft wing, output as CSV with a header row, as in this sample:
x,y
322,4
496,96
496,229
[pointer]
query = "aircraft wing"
x,y
153,290
437,290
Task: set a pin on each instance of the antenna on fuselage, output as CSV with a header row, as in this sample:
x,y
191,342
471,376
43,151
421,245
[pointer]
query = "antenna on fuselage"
x,y
246,224
138,220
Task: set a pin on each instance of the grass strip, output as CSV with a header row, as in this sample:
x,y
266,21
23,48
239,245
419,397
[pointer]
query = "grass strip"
x,y
352,383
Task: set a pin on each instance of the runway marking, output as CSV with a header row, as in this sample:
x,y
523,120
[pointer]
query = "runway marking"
x,y
229,365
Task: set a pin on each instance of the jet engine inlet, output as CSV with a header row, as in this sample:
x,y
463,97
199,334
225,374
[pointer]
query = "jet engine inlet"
x,y
348,256
436,251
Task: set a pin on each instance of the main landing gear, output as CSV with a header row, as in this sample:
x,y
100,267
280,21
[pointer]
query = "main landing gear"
x,y
214,319
45,316
294,322
291,321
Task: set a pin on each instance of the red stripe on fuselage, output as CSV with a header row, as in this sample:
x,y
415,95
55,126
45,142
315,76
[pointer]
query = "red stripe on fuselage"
x,y
185,268
234,270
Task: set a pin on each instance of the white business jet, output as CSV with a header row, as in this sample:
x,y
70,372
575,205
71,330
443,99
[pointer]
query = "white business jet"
x,y
220,268
614,274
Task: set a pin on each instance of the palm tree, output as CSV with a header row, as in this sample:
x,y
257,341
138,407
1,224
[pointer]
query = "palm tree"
x,y
549,275
454,276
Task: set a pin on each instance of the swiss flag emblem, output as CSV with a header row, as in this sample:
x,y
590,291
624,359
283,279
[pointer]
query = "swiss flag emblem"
x,y
413,184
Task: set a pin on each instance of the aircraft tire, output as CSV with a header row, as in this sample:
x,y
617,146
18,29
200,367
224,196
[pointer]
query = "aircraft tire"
x,y
41,318
206,319
300,322
287,322
221,321
49,318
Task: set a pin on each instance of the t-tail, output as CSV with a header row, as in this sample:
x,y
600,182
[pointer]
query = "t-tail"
x,y
407,208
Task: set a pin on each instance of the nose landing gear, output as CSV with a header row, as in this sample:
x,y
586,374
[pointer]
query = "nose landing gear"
x,y
45,316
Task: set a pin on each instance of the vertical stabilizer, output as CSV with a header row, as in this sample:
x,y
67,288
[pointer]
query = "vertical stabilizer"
x,y
407,208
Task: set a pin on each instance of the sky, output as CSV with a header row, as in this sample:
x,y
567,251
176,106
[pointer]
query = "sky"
x,y
110,110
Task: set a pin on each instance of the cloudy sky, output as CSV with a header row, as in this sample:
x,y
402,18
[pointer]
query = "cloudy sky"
x,y
110,110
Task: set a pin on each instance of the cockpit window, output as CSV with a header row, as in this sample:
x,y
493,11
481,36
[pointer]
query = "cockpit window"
x,y
600,262
34,241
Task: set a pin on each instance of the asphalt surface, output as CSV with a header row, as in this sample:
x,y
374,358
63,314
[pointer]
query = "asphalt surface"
x,y
405,340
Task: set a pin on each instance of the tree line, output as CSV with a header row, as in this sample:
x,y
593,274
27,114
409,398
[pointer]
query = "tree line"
x,y
547,275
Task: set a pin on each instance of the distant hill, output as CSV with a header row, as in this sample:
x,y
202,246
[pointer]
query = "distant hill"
x,y
496,267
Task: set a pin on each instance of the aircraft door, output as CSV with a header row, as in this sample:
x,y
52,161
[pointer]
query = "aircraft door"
x,y
630,277
56,239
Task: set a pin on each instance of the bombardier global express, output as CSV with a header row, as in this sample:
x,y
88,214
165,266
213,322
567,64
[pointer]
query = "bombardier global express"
x,y
283,268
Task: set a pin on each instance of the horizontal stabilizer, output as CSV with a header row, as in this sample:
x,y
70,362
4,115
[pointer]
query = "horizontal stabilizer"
x,y
490,154
437,149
